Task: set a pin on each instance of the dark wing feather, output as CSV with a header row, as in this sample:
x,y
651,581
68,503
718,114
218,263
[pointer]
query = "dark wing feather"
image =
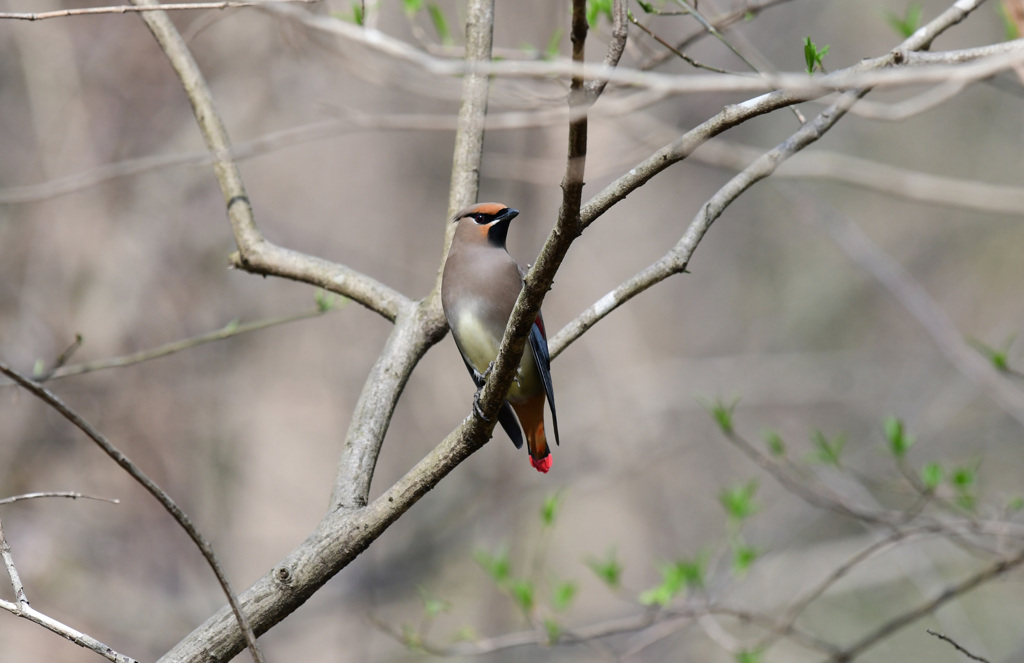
x,y
539,345
506,415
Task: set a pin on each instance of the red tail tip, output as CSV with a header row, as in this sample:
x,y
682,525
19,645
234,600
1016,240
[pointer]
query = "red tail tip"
x,y
542,465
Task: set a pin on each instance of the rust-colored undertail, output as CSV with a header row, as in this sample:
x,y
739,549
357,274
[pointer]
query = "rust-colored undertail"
x,y
531,417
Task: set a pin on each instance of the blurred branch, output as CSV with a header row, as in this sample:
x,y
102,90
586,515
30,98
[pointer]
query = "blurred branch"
x,y
968,65
57,493
12,571
125,9
946,595
165,500
676,260
227,331
875,175
956,645
916,300
255,253
21,606
616,47
721,22
736,114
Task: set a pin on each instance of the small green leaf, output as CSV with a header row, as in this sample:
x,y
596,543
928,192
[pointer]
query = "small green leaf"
x,y
743,557
440,24
597,8
551,51
750,656
563,594
497,565
825,450
325,301
775,444
722,413
932,475
998,357
522,591
412,7
899,441
964,479
38,368
609,569
1010,28
907,24
674,577
550,508
738,501
813,56
432,606
646,6
465,634
411,638
553,630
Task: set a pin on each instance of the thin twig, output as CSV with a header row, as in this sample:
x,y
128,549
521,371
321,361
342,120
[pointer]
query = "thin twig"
x,y
875,175
255,253
57,493
948,594
916,300
65,631
12,571
227,331
676,260
956,645
127,9
161,496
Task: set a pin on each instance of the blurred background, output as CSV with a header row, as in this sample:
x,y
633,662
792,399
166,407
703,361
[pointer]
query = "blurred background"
x,y
245,432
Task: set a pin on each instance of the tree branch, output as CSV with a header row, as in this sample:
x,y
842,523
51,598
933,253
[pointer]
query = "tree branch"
x,y
126,9
156,491
256,254
676,260
927,608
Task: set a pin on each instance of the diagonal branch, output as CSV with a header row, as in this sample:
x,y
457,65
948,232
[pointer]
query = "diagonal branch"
x,y
255,253
676,260
126,9
156,491
945,596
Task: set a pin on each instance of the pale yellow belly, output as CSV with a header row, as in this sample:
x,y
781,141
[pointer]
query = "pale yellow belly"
x,y
481,348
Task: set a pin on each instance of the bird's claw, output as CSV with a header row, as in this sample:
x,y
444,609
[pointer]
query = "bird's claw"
x,y
477,410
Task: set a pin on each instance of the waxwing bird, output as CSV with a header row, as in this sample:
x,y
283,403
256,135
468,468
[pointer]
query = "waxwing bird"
x,y
479,288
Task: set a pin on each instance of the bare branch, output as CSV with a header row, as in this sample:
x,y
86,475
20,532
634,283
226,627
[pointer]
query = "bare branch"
x,y
948,594
875,175
916,300
676,260
12,571
126,9
65,631
156,491
616,46
22,608
227,331
956,645
57,493
255,253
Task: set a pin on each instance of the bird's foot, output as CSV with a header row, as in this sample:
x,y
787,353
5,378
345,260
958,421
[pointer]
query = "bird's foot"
x,y
477,410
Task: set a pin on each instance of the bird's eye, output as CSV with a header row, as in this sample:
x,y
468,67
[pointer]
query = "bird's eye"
x,y
481,218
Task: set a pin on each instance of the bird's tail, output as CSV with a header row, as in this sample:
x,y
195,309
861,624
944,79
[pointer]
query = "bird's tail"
x,y
531,416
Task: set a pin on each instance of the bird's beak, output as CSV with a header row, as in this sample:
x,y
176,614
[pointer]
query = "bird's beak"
x,y
507,215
